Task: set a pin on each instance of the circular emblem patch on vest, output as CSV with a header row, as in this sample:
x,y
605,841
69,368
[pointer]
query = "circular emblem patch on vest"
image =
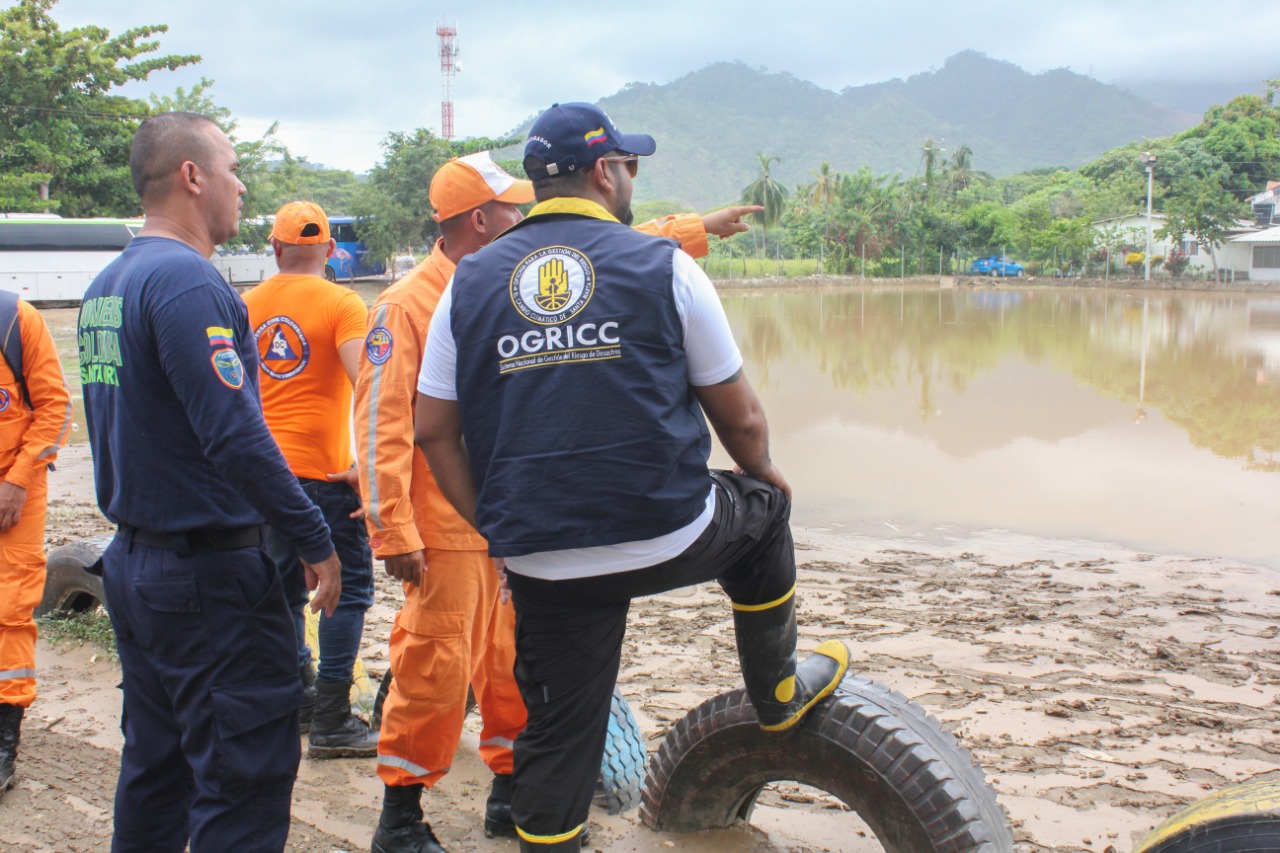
x,y
378,345
4,399
283,351
552,285
227,364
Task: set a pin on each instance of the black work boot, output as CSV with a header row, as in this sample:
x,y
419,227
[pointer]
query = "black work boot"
x,y
497,809
335,731
10,724
401,828
782,692
307,675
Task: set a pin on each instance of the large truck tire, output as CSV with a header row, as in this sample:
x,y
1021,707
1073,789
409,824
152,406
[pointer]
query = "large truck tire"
x,y
871,747
68,587
1240,819
622,766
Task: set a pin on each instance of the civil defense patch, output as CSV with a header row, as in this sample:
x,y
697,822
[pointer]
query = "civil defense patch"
x,y
378,345
227,364
283,350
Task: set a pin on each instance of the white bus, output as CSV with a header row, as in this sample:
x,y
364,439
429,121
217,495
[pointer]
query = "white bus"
x,y
53,260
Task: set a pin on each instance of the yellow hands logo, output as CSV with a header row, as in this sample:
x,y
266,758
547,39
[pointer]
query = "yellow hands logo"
x,y
553,285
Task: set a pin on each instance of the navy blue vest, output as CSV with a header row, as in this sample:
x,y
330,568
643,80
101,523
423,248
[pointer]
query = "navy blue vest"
x,y
576,408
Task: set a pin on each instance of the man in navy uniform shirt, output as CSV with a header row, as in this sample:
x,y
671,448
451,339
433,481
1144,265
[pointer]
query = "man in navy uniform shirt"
x,y
185,466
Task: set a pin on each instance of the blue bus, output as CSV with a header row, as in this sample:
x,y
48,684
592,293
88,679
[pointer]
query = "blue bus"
x,y
350,259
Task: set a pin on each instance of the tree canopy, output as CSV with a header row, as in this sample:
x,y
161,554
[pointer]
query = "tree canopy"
x,y
64,135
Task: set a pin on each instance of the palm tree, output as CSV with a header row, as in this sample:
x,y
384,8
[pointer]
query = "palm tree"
x,y
961,174
825,187
768,193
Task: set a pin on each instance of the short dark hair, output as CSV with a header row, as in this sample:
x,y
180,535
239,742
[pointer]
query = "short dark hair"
x,y
162,143
565,184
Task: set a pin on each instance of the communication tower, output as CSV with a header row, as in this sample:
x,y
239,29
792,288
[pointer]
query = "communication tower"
x,y
448,67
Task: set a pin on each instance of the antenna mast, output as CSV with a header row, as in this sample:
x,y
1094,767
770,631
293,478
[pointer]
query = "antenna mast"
x,y
448,67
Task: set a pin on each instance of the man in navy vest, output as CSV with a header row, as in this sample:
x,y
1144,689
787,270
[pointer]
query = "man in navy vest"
x,y
568,369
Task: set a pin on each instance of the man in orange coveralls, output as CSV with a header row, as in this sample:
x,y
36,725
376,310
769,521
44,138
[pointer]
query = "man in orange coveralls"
x,y
35,413
452,629
310,333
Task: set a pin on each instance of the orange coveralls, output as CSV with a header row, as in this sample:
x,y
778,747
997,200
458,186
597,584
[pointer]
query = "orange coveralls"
x,y
29,441
451,630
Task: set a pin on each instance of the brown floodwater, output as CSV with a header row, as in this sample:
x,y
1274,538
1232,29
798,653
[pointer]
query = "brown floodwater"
x,y
1149,420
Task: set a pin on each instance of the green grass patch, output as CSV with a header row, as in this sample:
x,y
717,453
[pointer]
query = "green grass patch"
x,y
723,267
91,626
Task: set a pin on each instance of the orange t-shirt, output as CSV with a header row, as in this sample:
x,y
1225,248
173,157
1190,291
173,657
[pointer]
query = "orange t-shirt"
x,y
300,321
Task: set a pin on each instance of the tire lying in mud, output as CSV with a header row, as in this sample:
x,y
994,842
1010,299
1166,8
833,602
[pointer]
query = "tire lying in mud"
x,y
622,766
881,754
1234,820
68,587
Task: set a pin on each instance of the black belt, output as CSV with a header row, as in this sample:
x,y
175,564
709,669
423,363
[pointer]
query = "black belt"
x,y
194,541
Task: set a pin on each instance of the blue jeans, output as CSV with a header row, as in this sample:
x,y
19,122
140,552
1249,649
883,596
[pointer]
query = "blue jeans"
x,y
340,633
211,699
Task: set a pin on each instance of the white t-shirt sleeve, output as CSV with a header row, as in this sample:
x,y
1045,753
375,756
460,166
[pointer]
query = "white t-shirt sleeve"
x,y
708,341
439,375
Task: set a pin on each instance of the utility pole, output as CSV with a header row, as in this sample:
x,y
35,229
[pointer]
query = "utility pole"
x,y
1146,263
448,66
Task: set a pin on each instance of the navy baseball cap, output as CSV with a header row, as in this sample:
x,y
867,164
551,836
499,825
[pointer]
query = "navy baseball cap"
x,y
570,136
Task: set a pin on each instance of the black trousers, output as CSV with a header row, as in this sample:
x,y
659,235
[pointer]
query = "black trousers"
x,y
569,644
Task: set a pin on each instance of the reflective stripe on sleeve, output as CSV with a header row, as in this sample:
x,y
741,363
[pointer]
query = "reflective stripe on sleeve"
x,y
371,440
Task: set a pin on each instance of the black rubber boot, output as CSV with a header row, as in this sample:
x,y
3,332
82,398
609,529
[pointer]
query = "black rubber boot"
x,y
401,828
335,731
568,845
497,809
307,675
10,726
781,691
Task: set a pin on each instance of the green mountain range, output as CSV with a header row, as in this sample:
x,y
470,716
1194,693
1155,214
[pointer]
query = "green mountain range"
x,y
711,123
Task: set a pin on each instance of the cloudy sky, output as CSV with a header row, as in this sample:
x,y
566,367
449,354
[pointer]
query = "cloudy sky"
x,y
339,76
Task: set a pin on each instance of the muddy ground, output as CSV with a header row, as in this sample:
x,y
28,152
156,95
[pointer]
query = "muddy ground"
x,y
1099,689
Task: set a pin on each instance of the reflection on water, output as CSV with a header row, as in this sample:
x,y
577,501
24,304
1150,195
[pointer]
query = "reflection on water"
x,y
1151,419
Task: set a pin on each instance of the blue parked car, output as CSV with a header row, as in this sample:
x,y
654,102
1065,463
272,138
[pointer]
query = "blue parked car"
x,y
995,266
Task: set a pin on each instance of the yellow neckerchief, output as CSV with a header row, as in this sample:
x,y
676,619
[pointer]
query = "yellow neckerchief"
x,y
567,204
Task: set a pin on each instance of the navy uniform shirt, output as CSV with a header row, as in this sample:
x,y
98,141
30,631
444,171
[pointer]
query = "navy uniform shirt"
x,y
170,376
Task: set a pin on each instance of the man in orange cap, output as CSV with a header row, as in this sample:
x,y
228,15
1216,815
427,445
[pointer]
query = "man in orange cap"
x,y
452,630
35,412
309,334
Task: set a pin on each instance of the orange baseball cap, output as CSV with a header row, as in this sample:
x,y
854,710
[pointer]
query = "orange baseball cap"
x,y
301,223
467,182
